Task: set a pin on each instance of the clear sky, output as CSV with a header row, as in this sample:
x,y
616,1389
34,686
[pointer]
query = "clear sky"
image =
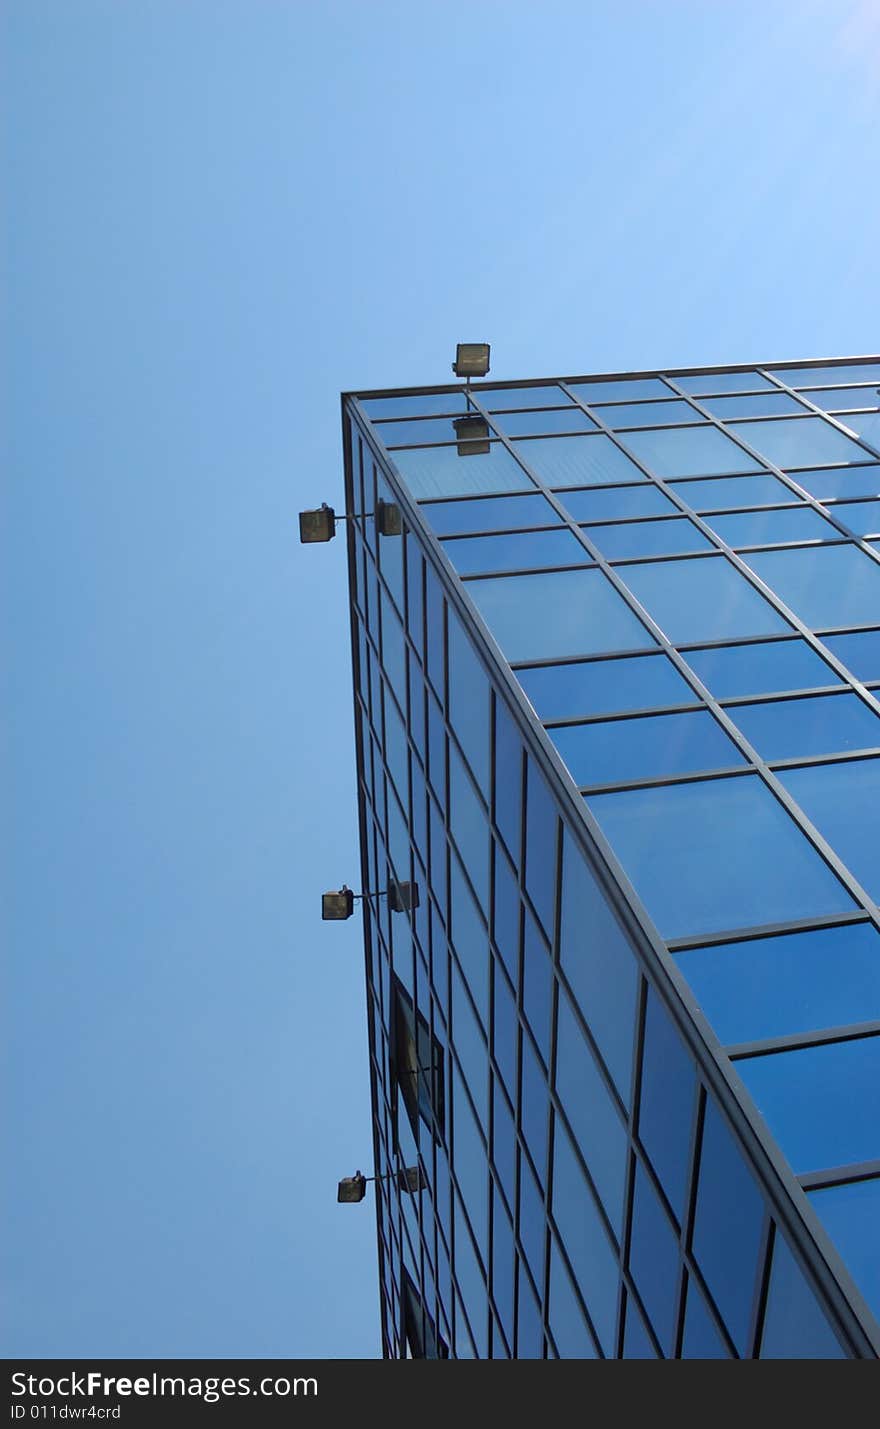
x,y
220,214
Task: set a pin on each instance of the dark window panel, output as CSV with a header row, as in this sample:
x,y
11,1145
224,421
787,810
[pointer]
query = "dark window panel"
x,y
823,724
654,1260
701,1340
794,1325
586,1242
491,513
604,686
666,1108
760,669
566,1318
821,1103
618,751
843,801
860,652
851,1216
728,1227
613,503
682,848
592,1115
799,982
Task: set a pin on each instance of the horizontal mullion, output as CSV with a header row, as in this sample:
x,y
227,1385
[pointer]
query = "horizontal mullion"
x,y
588,564
818,1037
692,777
840,1175
767,930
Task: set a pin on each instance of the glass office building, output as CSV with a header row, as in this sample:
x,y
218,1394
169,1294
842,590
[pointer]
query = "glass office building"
x,y
616,650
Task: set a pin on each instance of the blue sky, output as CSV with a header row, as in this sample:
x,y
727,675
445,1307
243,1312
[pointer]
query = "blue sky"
x,y
223,213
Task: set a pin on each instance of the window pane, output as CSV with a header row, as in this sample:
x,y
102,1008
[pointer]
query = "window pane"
x,y
701,1340
654,1260
582,1233
632,749
599,964
862,517
557,613
704,382
420,405
726,493
621,390
500,399
772,987
551,419
648,414
613,502
604,686
494,513
703,599
415,432
727,1227
851,1216
865,425
788,729
507,786
637,1343
537,1002
794,1326
843,801
517,551
689,451
567,1324
798,442
820,376
594,1119
469,826
648,538
540,850
837,399
440,471
821,1103
760,669
666,1109
823,585
704,857
851,482
469,702
765,528
860,652
577,461
761,404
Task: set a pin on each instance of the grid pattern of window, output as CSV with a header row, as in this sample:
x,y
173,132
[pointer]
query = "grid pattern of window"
x,y
681,574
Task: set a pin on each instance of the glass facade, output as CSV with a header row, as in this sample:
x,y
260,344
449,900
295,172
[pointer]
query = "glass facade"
x,y
617,703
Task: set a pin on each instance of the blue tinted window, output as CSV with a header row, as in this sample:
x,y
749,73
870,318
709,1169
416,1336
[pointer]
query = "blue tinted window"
x,y
532,1222
594,1119
604,686
796,441
705,382
771,987
507,785
436,750
503,1263
435,647
505,928
760,404
585,1240
704,857
689,451
821,1103
818,376
866,426
611,503
535,617
518,551
666,1108
494,513
648,538
529,1331
620,390
725,493
534,1109
530,424
701,1340
599,964
862,517
469,827
851,482
567,1324
417,406
837,399
703,599
540,851
843,801
851,1216
622,750
504,1135
654,1260
414,432
440,471
414,597
469,1163
794,1326
727,1227
473,1286
825,586
788,729
537,990
471,941
499,399
470,1047
859,652
766,528
760,669
648,414
469,702
637,1343
577,461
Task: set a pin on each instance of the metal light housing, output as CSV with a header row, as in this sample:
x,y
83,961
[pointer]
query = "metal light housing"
x,y
471,359
388,518
403,896
471,435
337,906
317,525
352,1188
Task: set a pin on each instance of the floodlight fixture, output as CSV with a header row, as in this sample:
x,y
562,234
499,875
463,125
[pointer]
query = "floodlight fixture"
x,y
471,359
403,896
388,518
471,435
352,1189
317,525
337,906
